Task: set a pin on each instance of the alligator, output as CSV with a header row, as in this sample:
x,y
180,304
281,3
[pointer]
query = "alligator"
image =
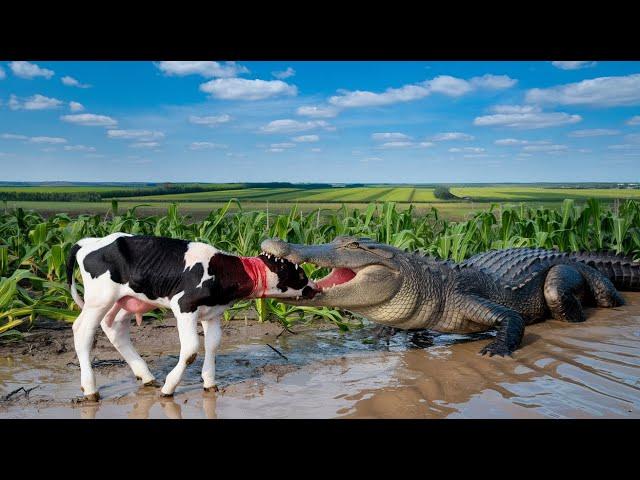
x,y
504,290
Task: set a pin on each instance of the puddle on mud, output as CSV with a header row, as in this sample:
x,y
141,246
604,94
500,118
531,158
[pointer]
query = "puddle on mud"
x,y
588,370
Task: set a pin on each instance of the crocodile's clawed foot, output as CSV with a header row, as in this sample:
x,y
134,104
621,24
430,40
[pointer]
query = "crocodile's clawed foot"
x,y
153,383
496,348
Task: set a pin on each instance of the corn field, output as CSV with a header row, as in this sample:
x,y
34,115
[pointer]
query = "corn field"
x,y
33,249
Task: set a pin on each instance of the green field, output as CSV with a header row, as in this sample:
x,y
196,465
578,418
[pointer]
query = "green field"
x,y
279,197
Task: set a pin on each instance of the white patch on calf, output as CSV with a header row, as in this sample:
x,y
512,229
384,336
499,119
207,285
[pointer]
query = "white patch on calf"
x,y
198,252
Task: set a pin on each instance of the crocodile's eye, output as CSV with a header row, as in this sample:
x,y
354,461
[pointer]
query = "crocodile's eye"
x,y
352,245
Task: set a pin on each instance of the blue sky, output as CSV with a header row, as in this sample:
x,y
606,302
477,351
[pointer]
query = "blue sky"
x,y
413,122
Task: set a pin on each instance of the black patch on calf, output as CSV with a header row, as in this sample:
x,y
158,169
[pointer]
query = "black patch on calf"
x,y
288,275
155,267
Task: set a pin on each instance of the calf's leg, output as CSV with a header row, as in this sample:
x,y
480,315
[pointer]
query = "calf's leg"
x,y
212,338
119,335
189,343
84,329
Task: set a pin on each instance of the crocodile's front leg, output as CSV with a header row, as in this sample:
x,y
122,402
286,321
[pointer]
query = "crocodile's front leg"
x,y
509,323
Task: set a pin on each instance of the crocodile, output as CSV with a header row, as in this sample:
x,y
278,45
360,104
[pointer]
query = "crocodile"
x,y
501,290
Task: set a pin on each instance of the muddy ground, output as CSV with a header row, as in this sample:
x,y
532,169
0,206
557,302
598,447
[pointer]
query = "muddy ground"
x,y
588,370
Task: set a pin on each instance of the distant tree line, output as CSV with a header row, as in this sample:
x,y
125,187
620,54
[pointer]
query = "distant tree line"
x,y
443,193
51,196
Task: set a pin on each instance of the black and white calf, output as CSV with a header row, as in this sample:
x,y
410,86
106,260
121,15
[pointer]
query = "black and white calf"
x,y
126,275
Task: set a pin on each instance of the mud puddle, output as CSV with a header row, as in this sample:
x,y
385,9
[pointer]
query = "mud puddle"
x,y
588,370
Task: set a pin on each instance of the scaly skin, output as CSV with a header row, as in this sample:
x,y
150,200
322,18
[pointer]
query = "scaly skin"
x,y
503,290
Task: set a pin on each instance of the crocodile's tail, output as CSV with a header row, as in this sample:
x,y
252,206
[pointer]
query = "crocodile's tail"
x,y
623,271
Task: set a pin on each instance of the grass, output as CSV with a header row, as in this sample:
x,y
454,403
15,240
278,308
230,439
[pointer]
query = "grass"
x,y
33,249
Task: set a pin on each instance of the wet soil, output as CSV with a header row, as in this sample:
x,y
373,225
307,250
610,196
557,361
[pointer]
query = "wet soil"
x,y
587,370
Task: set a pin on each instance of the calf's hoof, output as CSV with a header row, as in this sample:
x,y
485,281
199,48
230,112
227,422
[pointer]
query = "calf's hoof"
x,y
166,395
91,398
152,383
213,388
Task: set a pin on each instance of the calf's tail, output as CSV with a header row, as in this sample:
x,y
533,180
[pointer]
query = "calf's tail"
x,y
71,261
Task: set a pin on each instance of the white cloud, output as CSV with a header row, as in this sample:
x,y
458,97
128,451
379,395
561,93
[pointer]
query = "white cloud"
x,y
467,149
317,111
283,145
210,121
573,65
316,150
203,68
634,120
145,145
545,148
139,135
493,82
293,126
443,84
593,132
633,137
359,98
35,102
371,159
389,136
597,92
625,146
516,141
72,82
29,70
476,155
2,74
524,117
276,150
205,145
448,136
13,136
243,89
76,106
396,145
89,120
450,86
306,138
79,148
289,72
52,140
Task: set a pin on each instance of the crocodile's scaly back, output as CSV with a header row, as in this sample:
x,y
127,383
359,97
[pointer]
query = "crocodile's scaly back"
x,y
515,267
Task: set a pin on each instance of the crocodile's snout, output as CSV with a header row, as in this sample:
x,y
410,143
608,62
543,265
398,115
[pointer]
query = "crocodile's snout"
x,y
276,247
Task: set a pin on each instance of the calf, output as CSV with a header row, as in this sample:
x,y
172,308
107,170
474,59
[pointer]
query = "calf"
x,y
126,275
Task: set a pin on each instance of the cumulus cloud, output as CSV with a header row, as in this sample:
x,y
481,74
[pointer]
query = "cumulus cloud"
x,y
30,70
283,145
289,72
72,82
317,111
306,138
202,68
79,148
205,145
449,136
404,144
139,135
292,126
243,89
89,120
2,74
634,120
545,148
467,149
443,84
573,65
35,102
593,132
625,146
389,136
76,106
210,121
51,140
316,150
524,117
516,141
597,92
13,136
145,145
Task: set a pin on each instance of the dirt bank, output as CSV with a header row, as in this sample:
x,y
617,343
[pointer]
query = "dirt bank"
x,y
562,371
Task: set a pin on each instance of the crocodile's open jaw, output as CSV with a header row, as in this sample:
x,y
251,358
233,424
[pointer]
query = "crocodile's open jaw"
x,y
358,271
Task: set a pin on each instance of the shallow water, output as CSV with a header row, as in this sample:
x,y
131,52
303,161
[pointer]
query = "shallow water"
x,y
588,370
